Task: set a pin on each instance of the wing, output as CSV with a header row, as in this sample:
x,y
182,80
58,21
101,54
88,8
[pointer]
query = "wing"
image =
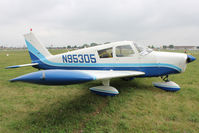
x,y
98,75
65,77
24,65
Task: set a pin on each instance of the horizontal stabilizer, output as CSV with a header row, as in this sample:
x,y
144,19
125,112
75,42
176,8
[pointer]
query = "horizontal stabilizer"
x,y
24,65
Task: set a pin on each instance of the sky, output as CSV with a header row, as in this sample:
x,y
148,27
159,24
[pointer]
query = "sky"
x,y
76,22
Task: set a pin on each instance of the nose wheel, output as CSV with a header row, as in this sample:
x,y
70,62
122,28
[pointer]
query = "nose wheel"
x,y
167,85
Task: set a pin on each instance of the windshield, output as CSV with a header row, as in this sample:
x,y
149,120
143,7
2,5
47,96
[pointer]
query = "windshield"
x,y
143,50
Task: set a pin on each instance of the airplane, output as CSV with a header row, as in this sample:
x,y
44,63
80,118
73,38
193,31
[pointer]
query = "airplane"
x,y
124,59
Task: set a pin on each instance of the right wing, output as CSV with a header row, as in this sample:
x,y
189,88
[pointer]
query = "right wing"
x,y
17,66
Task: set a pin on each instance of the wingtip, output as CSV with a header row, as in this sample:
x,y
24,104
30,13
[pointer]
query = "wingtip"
x,y
14,79
9,67
20,78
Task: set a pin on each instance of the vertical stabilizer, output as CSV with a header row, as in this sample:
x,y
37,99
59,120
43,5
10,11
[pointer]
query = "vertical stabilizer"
x,y
36,50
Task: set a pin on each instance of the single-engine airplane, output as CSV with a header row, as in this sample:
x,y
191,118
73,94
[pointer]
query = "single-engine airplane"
x,y
123,59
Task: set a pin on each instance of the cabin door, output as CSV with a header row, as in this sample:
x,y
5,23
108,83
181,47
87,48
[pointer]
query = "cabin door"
x,y
126,57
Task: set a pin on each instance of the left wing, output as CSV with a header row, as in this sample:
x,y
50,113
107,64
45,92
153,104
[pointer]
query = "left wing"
x,y
65,77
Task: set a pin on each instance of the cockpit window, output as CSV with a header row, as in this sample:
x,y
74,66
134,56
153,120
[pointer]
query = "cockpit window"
x,y
142,50
124,51
105,53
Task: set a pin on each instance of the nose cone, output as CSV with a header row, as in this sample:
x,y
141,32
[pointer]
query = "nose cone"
x,y
190,58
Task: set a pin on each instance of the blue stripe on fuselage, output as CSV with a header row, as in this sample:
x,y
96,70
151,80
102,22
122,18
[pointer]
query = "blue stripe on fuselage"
x,y
150,69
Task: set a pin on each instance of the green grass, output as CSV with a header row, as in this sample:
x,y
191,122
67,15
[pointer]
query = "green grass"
x,y
139,107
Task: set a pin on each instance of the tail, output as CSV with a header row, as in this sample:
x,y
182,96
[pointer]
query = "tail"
x,y
36,50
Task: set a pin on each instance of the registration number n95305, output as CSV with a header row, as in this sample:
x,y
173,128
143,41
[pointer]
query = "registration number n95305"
x,y
79,58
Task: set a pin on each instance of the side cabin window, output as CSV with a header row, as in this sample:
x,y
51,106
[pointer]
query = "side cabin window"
x,y
105,53
124,51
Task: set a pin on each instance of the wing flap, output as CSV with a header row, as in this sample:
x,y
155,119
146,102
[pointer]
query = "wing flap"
x,y
112,74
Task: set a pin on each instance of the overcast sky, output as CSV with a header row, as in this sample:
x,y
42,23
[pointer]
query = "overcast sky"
x,y
75,22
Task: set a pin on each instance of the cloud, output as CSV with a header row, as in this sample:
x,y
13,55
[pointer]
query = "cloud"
x,y
62,22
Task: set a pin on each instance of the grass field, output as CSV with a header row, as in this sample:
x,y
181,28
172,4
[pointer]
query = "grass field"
x,y
139,107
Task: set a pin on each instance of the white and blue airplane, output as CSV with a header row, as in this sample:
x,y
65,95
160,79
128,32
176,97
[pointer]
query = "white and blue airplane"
x,y
123,59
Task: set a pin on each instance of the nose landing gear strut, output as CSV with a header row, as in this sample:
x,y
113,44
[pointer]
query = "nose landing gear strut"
x,y
165,78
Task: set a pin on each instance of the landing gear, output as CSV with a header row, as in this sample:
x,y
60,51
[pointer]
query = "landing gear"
x,y
167,85
105,90
165,78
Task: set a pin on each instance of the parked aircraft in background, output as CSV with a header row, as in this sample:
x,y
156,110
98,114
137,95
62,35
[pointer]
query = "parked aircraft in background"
x,y
123,59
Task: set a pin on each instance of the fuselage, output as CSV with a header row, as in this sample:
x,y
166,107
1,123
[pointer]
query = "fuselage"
x,y
122,56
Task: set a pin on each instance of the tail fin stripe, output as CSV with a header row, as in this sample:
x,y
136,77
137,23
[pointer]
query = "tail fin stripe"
x,y
34,51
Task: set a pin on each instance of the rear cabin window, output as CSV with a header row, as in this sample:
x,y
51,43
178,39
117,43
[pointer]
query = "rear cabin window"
x,y
124,51
105,53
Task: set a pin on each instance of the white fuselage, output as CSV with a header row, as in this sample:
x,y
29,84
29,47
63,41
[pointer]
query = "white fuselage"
x,y
124,55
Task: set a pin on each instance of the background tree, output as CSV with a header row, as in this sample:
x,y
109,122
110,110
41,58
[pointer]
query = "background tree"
x,y
93,44
107,42
164,46
171,46
85,45
68,47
